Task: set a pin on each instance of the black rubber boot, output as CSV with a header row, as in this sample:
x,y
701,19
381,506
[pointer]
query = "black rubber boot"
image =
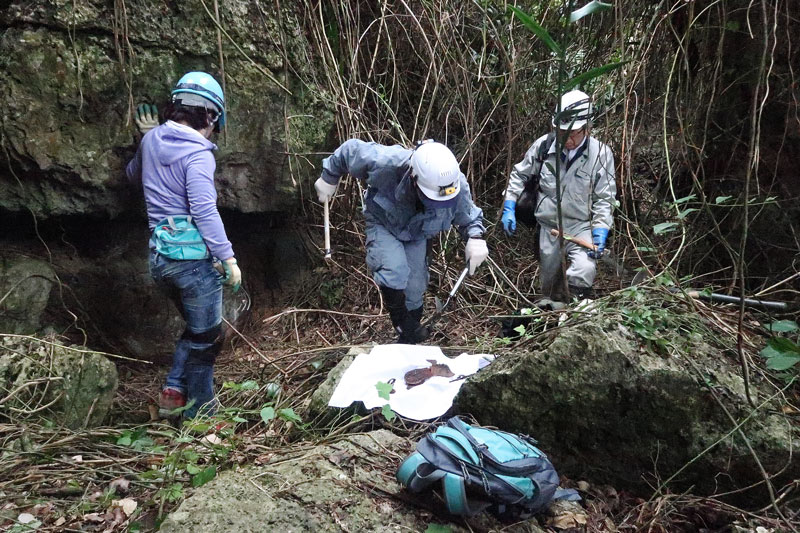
x,y
581,293
411,331
395,301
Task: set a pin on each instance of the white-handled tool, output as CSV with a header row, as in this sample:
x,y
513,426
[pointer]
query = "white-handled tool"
x,y
327,232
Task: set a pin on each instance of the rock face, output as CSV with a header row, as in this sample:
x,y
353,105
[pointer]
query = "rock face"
x,y
345,486
68,384
72,73
25,285
604,409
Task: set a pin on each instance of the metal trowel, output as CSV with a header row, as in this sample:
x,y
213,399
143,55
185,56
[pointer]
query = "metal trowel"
x,y
440,307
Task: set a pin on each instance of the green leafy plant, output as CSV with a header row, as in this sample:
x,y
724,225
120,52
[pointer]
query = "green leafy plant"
x,y
331,292
384,390
654,324
782,352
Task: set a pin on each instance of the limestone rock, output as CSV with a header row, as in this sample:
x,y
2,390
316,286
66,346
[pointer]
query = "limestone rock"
x,y
322,395
25,285
71,75
605,410
345,486
67,384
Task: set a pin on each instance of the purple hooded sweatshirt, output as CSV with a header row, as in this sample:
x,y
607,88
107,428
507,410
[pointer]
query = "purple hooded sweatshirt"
x,y
175,165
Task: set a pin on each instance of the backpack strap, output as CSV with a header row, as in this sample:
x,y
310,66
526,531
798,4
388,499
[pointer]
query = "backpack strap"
x,y
544,148
568,495
417,473
456,497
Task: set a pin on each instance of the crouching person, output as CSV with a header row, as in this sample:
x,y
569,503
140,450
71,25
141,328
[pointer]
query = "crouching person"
x,y
176,168
411,196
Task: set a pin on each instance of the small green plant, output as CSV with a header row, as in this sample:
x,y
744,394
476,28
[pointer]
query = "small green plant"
x,y
782,352
384,390
137,439
331,292
651,323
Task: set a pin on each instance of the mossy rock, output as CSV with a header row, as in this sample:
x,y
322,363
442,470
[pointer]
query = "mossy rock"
x,y
68,385
608,410
348,485
25,285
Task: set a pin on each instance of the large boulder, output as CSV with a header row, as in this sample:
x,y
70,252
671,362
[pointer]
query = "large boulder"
x,y
70,385
25,285
72,73
608,410
347,485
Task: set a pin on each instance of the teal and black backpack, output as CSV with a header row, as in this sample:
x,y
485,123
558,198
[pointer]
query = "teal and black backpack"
x,y
483,469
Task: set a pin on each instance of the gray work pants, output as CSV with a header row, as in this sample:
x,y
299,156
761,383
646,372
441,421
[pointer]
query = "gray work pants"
x,y
581,268
397,264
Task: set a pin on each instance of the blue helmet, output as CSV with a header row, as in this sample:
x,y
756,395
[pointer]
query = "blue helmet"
x,y
194,84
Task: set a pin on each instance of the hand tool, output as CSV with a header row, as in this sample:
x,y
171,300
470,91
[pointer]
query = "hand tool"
x,y
606,257
440,307
327,232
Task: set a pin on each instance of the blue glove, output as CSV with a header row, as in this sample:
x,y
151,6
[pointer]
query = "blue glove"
x,y
509,218
599,237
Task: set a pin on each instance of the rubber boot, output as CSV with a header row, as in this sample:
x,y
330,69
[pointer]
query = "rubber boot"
x,y
412,332
395,301
581,293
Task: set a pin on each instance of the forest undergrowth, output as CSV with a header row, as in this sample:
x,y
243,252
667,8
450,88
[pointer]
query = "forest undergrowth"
x,y
127,475
703,120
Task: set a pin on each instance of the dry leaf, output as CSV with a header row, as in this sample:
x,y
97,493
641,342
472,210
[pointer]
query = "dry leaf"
x,y
212,439
93,517
77,458
128,505
119,485
568,519
25,518
61,521
583,486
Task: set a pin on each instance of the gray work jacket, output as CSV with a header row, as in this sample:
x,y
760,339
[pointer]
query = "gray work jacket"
x,y
391,197
588,188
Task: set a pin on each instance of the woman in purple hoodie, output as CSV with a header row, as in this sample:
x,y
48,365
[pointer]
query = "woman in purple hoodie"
x,y
176,168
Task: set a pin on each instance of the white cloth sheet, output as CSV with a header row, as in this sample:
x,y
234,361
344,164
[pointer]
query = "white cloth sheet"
x,y
428,400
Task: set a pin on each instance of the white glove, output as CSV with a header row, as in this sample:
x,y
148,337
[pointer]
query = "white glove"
x,y
476,253
233,275
146,117
324,189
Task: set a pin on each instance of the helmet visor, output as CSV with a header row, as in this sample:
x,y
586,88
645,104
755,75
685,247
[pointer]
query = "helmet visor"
x,y
447,201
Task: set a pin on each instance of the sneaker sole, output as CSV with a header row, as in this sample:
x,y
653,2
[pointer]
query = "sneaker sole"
x,y
167,413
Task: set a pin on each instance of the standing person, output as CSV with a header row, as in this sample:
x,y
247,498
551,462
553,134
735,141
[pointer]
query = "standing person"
x,y
586,168
175,165
411,196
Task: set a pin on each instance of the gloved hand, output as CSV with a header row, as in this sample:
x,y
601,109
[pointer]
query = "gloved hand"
x,y
509,219
599,236
476,253
146,117
233,276
324,189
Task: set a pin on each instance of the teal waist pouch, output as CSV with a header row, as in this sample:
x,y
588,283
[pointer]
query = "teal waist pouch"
x,y
177,237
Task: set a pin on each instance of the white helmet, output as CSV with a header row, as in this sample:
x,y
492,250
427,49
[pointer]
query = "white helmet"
x,y
436,170
576,111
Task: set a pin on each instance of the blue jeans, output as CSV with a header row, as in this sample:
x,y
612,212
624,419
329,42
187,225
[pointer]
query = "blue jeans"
x,y
196,289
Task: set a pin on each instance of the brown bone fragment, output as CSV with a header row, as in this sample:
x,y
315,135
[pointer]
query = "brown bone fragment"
x,y
418,376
